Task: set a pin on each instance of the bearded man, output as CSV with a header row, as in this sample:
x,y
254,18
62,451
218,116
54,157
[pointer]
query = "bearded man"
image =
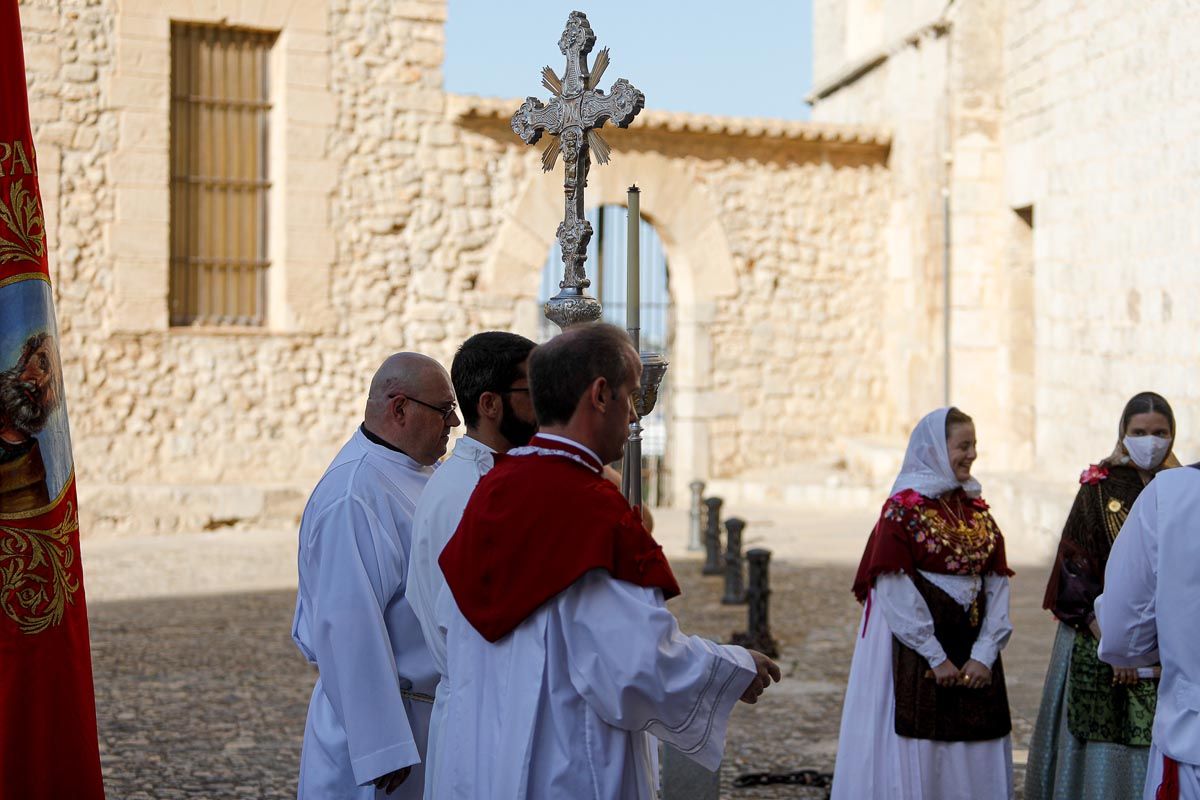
x,y
29,394
565,663
491,382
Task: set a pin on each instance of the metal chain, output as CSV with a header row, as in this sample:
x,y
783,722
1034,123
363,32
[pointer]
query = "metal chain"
x,y
804,777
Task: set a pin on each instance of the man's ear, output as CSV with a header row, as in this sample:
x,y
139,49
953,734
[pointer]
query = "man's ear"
x,y
397,405
491,405
598,394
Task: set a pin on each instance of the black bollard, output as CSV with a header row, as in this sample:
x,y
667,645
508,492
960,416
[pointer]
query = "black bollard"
x,y
735,589
758,637
712,536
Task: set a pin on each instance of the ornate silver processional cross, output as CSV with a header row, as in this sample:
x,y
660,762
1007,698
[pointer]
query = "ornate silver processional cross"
x,y
574,116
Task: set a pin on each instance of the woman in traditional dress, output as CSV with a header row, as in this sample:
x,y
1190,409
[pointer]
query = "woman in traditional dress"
x,y
926,714
1093,730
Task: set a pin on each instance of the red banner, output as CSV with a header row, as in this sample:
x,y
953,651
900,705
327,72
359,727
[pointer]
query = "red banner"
x,y
48,744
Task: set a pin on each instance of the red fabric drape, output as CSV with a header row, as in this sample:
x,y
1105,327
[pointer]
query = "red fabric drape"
x,y
48,741
535,525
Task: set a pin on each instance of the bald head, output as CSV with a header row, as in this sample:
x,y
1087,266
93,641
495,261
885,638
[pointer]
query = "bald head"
x,y
404,372
408,403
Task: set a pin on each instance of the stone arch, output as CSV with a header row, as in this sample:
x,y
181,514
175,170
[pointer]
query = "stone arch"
x,y
701,265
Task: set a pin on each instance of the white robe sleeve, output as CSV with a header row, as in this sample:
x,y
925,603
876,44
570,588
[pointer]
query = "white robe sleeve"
x,y
637,671
908,616
354,581
997,627
1126,609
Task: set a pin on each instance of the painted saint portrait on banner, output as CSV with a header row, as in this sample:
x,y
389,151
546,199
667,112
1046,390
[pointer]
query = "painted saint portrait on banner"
x,y
48,742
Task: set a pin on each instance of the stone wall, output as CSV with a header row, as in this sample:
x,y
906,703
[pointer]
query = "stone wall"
x,y
399,223
1063,133
1104,111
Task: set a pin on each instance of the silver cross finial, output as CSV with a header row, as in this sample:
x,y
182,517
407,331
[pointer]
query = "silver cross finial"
x,y
574,116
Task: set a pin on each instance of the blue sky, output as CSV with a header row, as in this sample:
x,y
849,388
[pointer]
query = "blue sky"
x,y
696,56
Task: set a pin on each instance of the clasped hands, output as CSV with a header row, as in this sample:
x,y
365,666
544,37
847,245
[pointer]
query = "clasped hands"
x,y
973,675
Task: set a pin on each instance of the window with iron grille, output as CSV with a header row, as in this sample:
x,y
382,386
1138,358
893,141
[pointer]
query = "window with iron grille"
x,y
220,109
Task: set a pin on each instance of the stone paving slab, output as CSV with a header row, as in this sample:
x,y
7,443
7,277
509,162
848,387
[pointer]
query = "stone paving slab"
x,y
205,696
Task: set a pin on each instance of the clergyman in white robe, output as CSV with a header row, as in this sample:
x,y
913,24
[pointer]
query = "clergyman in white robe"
x,y
570,702
1149,613
604,660
369,713
438,513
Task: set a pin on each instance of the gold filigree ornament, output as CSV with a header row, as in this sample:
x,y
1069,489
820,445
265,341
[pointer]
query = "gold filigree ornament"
x,y
1114,505
36,583
22,216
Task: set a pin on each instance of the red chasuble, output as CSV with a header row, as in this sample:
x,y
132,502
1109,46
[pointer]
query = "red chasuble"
x,y
950,535
48,747
543,517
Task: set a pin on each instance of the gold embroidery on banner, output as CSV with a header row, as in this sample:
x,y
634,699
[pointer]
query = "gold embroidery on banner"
x,y
35,579
22,215
25,276
38,512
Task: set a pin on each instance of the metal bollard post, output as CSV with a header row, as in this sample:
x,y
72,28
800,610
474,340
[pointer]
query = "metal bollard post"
x,y
758,637
696,513
712,536
735,590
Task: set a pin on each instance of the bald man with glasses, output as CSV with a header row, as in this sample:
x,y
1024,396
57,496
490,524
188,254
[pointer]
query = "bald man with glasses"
x,y
368,720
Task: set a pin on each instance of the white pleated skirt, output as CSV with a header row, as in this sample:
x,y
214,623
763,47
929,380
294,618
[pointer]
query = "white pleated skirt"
x,y
874,763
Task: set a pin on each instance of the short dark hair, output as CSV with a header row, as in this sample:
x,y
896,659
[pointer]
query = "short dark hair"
x,y
487,362
1147,403
956,417
562,369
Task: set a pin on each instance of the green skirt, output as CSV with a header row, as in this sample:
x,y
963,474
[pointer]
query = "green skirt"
x,y
1098,711
1063,767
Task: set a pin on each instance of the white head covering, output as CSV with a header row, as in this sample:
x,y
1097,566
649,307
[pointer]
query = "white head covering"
x,y
926,466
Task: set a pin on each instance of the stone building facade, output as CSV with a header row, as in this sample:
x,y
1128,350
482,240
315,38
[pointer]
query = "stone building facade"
x,y
1042,158
402,217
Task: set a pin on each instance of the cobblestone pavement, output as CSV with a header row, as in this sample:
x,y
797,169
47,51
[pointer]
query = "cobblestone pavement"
x,y
205,697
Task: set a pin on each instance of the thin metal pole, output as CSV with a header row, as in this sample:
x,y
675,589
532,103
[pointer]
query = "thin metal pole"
x,y
631,475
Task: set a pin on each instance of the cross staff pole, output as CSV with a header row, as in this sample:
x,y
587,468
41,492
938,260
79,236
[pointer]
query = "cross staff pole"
x,y
631,474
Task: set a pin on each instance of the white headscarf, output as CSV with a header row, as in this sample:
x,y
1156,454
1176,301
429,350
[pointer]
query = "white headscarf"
x,y
926,466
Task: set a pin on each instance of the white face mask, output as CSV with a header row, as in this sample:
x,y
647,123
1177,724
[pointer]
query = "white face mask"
x,y
1147,452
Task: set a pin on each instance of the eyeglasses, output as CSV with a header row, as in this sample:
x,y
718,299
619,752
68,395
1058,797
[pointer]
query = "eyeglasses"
x,y
445,413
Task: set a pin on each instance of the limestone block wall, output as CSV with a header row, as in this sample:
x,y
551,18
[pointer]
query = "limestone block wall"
x,y
1066,133
398,223
1102,114
905,96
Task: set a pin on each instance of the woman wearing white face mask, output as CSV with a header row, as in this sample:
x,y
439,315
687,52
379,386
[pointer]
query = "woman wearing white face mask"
x,y
1093,731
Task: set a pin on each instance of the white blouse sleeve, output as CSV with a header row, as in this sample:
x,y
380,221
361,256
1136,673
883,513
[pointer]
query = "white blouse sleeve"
x,y
996,628
908,616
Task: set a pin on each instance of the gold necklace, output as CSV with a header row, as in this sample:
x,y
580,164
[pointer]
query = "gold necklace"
x,y
957,526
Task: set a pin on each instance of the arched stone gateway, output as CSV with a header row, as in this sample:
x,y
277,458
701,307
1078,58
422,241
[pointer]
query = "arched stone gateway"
x,y
773,234
702,272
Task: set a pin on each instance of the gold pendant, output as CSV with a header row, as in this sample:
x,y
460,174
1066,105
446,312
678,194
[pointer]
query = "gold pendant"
x,y
1114,505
